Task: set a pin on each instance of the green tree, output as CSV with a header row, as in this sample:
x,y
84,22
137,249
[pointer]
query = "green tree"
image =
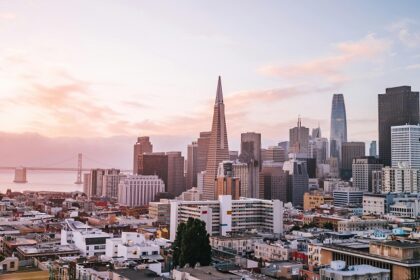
x,y
328,225
176,246
192,244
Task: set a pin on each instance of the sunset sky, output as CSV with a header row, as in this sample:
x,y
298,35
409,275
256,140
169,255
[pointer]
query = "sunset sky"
x,y
125,68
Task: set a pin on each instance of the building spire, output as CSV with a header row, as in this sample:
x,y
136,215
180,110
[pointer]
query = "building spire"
x,y
219,93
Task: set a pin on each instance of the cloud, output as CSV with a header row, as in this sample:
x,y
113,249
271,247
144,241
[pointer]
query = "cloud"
x,y
331,67
404,31
7,16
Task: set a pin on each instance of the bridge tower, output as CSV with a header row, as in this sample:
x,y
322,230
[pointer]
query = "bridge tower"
x,y
79,169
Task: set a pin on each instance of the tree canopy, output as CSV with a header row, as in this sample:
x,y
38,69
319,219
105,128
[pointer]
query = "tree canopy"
x,y
192,244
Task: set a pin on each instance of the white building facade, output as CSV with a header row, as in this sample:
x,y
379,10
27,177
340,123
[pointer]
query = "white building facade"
x,y
405,146
400,179
225,216
138,190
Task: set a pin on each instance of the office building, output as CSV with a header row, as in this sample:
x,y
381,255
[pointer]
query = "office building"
x,y
111,180
297,181
338,131
251,155
299,139
347,197
318,149
274,153
154,164
143,145
139,190
176,178
377,181
350,151
362,169
233,155
226,183
405,146
192,158
400,257
218,146
406,206
400,179
398,106
160,212
373,149
313,200
273,181
89,240
377,204
241,171
226,216
203,143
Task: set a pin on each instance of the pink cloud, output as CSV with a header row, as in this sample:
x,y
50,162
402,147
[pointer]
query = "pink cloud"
x,y
331,67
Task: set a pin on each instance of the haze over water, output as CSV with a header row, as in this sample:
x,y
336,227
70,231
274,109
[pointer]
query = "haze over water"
x,y
62,181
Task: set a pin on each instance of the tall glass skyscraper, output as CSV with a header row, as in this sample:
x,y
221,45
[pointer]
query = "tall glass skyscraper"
x,y
338,132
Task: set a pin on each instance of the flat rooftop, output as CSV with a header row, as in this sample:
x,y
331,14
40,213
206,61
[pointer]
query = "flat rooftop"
x,y
354,270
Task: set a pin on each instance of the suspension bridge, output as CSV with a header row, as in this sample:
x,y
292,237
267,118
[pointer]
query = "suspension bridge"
x,y
20,171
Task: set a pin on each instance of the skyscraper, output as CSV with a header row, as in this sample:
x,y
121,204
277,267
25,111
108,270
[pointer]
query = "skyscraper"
x,y
299,139
338,132
405,146
142,146
251,155
192,156
350,151
176,178
372,149
398,106
218,145
202,150
274,153
154,164
362,170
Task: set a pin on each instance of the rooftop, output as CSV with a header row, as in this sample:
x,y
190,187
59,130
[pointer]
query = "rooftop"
x,y
357,270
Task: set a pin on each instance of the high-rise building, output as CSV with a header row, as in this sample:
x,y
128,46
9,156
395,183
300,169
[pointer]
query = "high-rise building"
x,y
202,150
251,155
274,153
139,190
297,180
176,178
405,146
241,171
398,106
377,181
400,179
154,164
299,139
372,149
251,148
349,151
110,182
338,132
142,146
192,157
233,155
218,146
318,149
273,181
362,170
226,182
93,183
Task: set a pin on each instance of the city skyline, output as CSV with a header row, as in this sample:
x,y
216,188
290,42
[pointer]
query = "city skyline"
x,y
72,88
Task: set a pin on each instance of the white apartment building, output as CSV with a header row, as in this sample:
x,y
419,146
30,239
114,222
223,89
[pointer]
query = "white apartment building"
x,y
239,244
110,183
89,240
405,146
407,206
400,179
138,190
276,251
225,216
356,224
131,245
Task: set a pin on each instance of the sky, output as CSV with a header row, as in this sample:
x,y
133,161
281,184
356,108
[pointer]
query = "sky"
x,y
88,71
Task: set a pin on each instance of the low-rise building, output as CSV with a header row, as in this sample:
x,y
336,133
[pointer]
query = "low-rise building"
x,y
377,204
406,206
239,244
89,240
160,211
274,251
315,199
356,224
339,271
348,197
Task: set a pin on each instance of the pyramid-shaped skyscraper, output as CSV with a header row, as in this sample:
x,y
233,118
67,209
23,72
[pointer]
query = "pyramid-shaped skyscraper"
x,y
218,146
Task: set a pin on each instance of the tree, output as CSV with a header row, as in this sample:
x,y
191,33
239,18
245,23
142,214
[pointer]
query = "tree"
x,y
192,244
328,225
